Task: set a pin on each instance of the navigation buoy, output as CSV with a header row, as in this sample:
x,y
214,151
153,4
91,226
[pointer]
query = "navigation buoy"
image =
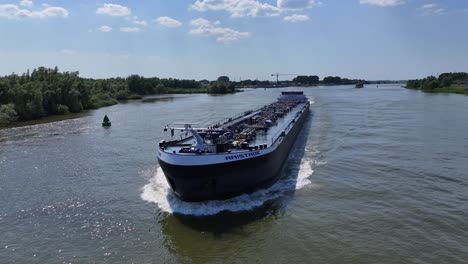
x,y
106,122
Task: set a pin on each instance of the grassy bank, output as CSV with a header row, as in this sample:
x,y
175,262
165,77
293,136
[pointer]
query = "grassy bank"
x,y
456,89
444,83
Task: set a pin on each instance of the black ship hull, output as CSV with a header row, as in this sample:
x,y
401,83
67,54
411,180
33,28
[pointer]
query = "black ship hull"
x,y
227,180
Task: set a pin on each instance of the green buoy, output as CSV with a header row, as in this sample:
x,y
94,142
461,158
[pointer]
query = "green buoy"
x,y
106,122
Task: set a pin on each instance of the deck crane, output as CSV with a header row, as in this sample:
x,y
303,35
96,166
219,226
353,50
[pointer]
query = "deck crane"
x,y
282,74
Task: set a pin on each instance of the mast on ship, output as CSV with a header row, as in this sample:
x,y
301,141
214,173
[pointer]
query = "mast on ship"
x,y
188,127
200,142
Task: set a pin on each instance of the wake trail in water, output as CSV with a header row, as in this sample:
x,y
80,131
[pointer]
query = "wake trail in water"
x,y
157,191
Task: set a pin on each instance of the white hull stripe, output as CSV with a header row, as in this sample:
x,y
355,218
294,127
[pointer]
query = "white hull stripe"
x,y
210,159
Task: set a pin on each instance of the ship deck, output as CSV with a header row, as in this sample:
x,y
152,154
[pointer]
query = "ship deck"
x,y
267,138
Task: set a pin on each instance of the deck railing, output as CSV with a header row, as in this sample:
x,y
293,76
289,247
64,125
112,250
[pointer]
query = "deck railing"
x,y
287,128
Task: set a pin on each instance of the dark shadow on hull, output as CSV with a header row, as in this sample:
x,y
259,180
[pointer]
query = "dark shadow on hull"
x,y
281,193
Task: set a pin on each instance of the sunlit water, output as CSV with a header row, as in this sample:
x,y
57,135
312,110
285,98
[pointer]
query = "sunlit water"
x,y
377,175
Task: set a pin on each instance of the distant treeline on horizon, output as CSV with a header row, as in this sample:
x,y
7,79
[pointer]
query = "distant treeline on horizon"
x,y
302,80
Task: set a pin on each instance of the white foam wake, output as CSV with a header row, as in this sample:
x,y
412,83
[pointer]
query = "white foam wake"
x,y
157,191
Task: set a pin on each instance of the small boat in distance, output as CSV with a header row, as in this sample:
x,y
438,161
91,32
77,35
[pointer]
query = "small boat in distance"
x,y
238,155
360,85
106,122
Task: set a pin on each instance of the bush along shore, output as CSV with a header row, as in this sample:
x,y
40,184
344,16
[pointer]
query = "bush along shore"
x,y
446,83
44,92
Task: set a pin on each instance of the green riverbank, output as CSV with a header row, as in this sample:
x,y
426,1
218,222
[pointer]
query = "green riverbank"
x,y
455,89
44,120
47,92
456,83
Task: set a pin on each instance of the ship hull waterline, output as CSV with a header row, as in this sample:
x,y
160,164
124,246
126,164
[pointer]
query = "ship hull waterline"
x,y
226,180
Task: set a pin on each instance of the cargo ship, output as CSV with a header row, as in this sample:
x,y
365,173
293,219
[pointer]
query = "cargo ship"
x,y
241,154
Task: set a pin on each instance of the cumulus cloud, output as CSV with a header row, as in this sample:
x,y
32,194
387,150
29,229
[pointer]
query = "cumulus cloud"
x,y
136,21
382,3
105,29
168,22
140,22
296,4
113,10
26,3
253,8
130,29
296,18
238,8
432,9
205,27
13,11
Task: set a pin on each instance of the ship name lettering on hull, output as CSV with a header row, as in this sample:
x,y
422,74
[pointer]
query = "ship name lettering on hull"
x,y
242,156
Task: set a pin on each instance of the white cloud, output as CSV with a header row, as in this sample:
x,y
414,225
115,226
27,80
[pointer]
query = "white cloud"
x,y
130,29
105,29
168,22
26,3
140,22
296,4
428,6
52,11
238,8
296,18
13,11
113,10
382,3
200,22
432,9
205,27
135,20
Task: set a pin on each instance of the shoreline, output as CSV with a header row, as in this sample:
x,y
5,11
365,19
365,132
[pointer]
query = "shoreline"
x,y
46,119
86,112
444,90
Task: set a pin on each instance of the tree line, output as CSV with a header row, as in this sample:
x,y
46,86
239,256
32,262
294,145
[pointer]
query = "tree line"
x,y
303,80
445,82
329,80
46,91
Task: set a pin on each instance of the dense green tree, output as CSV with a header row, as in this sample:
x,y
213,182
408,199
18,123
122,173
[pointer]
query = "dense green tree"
x,y
161,89
7,114
442,83
307,80
47,91
223,79
221,88
135,84
332,80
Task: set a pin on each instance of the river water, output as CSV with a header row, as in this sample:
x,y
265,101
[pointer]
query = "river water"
x,y
377,175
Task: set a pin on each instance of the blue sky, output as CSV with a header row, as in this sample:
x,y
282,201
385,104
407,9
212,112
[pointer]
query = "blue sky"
x,y
198,39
